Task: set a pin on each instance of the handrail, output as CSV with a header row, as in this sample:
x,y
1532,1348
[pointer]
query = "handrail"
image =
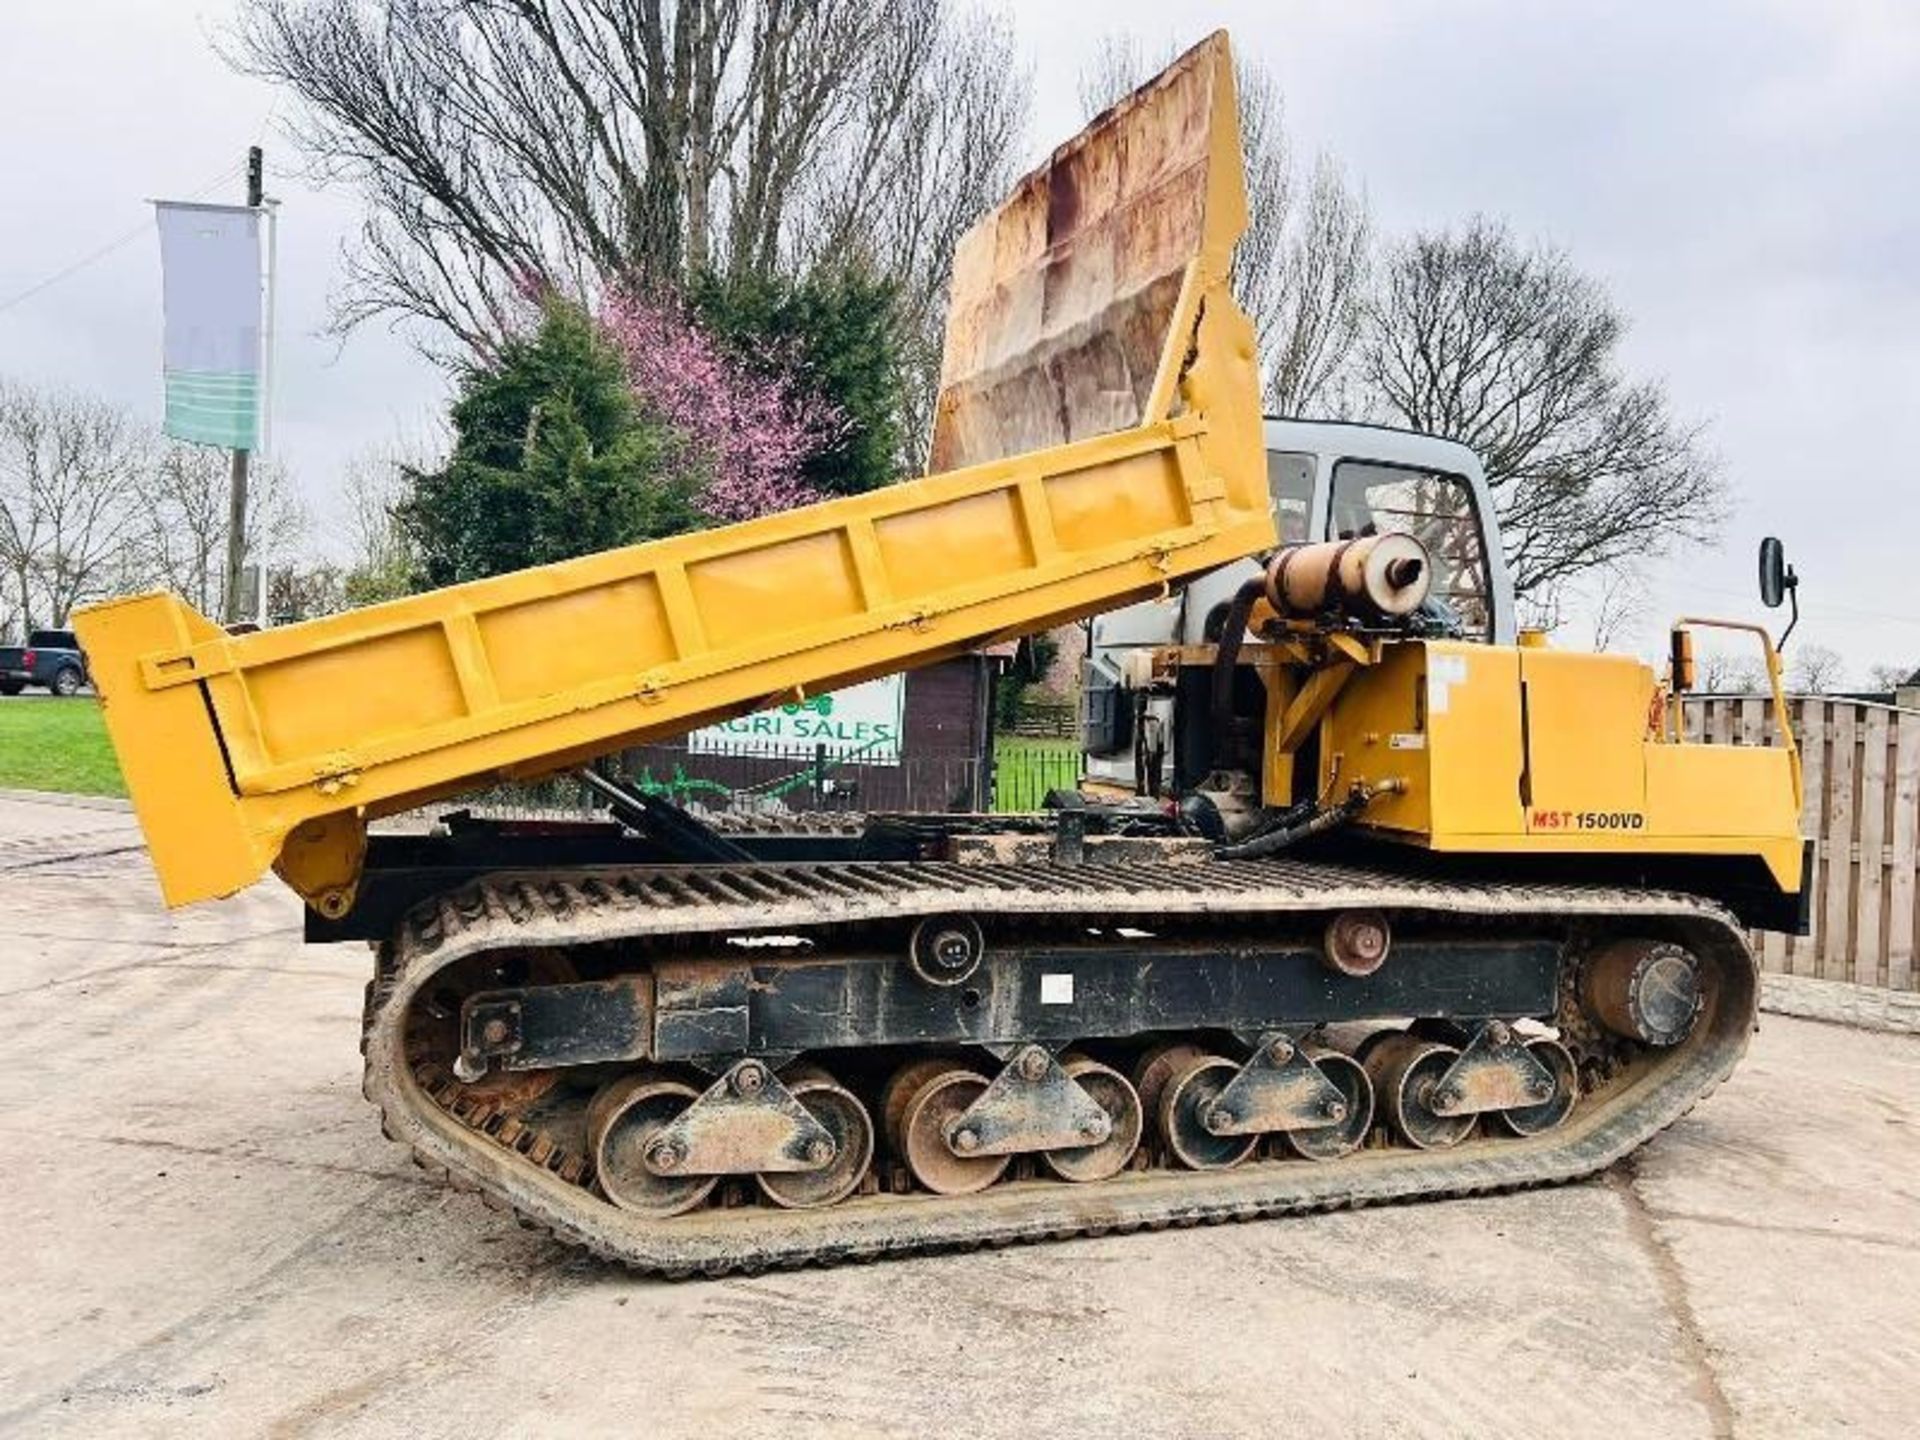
x,y
1782,720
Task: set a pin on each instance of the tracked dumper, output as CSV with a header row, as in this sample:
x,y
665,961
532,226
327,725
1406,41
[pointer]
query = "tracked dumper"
x,y
1417,912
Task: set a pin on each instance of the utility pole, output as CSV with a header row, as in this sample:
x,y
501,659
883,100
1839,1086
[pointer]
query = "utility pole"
x,y
237,499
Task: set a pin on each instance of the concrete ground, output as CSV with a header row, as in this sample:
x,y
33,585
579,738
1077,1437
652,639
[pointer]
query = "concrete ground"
x,y
208,1236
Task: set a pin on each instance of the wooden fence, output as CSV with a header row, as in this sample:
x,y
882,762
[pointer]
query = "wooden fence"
x,y
1862,767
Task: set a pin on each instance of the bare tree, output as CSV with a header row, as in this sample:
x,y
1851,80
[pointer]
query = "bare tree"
x,y
1619,602
1815,670
1513,352
1892,677
94,503
181,537
69,472
930,152
1727,672
380,559
522,144
1323,288
1300,271
1611,600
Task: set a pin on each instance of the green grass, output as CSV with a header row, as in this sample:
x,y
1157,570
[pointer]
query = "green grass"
x,y
55,744
1025,769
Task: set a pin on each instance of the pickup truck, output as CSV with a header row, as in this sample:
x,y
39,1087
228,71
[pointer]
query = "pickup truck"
x,y
50,659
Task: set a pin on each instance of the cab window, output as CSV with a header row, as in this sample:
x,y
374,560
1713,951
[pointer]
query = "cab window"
x,y
1435,508
1290,481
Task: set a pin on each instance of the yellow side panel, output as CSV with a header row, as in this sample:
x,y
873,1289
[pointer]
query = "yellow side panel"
x,y
1095,508
972,540
1720,790
1586,733
1376,732
774,591
535,647
169,753
1442,719
1473,728
397,682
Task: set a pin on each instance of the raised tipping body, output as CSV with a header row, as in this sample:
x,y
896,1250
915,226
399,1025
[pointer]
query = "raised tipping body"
x,y
1418,911
275,748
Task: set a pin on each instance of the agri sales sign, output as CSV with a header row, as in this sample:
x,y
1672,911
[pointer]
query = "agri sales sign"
x,y
862,723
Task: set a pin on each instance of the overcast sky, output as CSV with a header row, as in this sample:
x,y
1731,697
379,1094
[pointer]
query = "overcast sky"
x,y
1741,175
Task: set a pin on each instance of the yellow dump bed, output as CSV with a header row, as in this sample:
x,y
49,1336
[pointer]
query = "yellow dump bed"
x,y
1100,398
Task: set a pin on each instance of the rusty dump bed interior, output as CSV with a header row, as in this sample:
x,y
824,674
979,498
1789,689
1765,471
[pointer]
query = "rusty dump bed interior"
x,y
696,1046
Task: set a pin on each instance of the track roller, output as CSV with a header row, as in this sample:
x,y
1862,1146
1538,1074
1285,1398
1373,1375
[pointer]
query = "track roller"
x,y
624,1122
1330,1142
1122,1104
1404,1070
1186,1081
1155,1067
1533,1119
922,1100
846,1120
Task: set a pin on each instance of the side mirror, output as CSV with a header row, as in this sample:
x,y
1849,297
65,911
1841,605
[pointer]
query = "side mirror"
x,y
1777,583
1776,576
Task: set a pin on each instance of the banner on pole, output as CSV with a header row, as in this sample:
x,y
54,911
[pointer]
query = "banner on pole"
x,y
211,298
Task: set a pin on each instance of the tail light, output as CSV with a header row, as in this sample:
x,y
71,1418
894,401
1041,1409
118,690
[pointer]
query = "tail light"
x,y
26,659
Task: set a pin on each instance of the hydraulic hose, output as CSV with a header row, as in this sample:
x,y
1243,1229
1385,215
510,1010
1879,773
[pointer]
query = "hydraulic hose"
x,y
1232,632
1272,842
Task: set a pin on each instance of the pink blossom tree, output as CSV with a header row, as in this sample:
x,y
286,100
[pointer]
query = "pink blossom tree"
x,y
750,432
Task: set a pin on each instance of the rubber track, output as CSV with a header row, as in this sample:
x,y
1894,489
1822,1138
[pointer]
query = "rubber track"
x,y
511,911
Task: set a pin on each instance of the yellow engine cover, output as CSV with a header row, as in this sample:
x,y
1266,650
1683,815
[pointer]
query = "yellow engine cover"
x,y
1509,749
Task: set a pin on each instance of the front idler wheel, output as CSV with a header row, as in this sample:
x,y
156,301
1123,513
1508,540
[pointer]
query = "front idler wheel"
x,y
1647,991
